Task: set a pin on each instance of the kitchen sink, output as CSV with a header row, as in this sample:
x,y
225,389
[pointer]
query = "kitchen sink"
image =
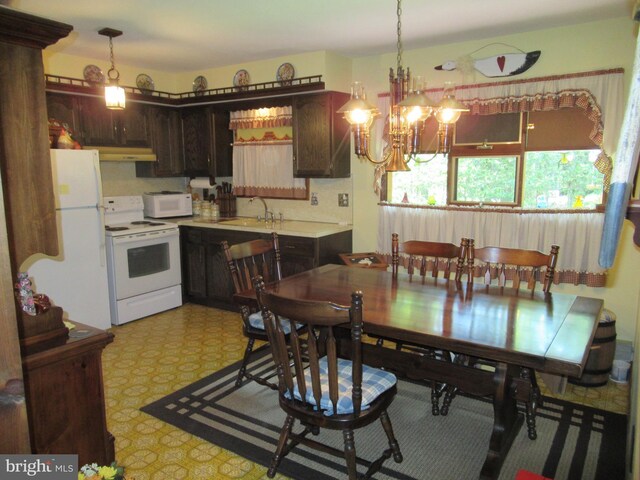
x,y
248,222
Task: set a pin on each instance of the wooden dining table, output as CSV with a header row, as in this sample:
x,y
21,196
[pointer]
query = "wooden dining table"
x,y
548,332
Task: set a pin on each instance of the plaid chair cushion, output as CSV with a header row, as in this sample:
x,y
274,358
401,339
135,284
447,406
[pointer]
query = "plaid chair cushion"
x,y
374,383
255,320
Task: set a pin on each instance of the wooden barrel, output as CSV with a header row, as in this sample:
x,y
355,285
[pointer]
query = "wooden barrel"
x,y
603,349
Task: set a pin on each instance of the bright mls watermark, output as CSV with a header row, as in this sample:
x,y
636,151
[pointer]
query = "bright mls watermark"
x,y
51,467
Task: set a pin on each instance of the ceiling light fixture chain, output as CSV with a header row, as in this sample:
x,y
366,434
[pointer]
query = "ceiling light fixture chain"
x,y
113,63
409,108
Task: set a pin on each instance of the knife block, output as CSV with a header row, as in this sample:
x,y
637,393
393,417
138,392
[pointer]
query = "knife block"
x,y
227,204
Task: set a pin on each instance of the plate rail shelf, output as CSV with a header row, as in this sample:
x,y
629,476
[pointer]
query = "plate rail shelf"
x,y
295,85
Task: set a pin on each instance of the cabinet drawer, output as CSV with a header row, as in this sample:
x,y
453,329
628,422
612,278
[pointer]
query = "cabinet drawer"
x,y
299,246
193,235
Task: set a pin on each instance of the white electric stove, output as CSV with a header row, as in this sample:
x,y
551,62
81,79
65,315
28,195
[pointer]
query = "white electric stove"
x,y
125,215
143,261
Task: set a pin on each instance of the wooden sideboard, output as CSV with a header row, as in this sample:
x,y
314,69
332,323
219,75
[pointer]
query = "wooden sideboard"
x,y
65,398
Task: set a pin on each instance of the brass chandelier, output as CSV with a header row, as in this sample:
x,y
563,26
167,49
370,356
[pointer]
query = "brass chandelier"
x,y
409,109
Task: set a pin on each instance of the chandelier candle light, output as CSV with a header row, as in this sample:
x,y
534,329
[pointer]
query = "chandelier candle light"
x,y
113,93
409,110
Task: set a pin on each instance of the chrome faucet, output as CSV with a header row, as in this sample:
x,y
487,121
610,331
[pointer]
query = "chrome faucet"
x,y
266,210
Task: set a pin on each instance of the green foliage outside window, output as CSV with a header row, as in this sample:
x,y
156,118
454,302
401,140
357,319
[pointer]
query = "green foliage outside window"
x,y
486,179
553,180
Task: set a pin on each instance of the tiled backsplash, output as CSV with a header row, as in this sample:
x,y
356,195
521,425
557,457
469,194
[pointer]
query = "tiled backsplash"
x,y
119,178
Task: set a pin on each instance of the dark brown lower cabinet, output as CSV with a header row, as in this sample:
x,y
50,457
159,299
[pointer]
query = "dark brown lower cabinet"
x,y
65,398
205,279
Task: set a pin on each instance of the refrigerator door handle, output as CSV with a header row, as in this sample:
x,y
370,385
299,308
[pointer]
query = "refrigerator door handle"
x,y
101,208
101,236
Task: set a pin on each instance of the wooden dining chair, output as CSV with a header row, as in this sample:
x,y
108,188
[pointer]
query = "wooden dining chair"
x,y
245,261
317,386
431,259
510,267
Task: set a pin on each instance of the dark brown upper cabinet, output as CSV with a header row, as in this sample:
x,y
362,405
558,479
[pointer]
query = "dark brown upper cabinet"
x,y
165,137
321,137
95,125
102,127
207,142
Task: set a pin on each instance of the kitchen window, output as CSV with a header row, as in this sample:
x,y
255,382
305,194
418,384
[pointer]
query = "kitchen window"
x,y
543,160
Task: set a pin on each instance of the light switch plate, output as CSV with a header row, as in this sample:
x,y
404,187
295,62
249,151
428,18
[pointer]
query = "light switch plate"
x,y
343,199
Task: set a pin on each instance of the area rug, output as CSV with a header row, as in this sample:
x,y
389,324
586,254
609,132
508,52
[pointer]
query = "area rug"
x,y
574,442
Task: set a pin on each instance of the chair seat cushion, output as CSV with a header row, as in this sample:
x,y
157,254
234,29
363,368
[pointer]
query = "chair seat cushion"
x,y
374,383
255,320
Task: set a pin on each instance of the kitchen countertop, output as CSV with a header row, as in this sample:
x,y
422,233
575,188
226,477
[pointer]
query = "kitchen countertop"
x,y
250,224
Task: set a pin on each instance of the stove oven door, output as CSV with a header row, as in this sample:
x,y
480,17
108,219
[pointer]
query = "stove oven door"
x,y
144,262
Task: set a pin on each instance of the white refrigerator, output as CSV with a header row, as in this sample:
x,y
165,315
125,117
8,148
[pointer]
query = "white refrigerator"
x,y
76,279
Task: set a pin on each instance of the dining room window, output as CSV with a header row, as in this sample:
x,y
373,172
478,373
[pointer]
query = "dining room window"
x,y
536,160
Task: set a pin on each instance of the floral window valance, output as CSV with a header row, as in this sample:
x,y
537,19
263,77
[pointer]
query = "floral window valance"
x,y
261,118
599,93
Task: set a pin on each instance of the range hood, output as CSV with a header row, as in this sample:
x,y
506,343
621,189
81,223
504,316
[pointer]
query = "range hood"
x,y
123,154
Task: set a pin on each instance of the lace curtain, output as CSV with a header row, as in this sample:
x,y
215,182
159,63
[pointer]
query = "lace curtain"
x,y
578,234
264,166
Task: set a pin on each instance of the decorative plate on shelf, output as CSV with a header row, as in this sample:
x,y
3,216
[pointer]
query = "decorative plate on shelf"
x,y
93,74
145,83
200,84
285,73
241,79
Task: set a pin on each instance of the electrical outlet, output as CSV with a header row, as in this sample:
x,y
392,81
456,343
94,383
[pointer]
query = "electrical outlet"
x,y
314,198
343,199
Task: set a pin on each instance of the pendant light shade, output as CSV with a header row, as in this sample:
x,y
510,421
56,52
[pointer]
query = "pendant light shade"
x,y
114,96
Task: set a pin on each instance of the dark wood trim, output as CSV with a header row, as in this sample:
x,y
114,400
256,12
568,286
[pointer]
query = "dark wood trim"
x,y
28,30
633,214
256,91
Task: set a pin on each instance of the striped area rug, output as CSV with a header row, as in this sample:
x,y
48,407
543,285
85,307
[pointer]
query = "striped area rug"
x,y
574,441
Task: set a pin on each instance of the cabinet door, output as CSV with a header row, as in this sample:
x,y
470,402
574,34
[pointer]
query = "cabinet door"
x,y
219,285
97,122
298,254
165,135
320,136
194,280
62,108
66,404
222,138
196,137
131,126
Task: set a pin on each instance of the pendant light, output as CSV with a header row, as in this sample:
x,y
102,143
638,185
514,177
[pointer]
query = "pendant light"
x,y
113,93
409,109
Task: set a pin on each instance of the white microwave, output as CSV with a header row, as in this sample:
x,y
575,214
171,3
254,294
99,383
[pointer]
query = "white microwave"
x,y
166,204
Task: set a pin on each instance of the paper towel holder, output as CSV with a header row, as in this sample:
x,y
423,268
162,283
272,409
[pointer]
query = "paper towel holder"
x,y
202,182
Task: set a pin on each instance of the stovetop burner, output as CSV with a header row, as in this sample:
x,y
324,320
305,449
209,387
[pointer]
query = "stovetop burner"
x,y
124,216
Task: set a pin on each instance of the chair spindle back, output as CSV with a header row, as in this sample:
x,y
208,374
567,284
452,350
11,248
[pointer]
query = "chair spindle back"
x,y
293,357
248,259
426,253
496,261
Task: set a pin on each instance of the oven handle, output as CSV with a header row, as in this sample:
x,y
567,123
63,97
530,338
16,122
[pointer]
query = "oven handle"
x,y
146,236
